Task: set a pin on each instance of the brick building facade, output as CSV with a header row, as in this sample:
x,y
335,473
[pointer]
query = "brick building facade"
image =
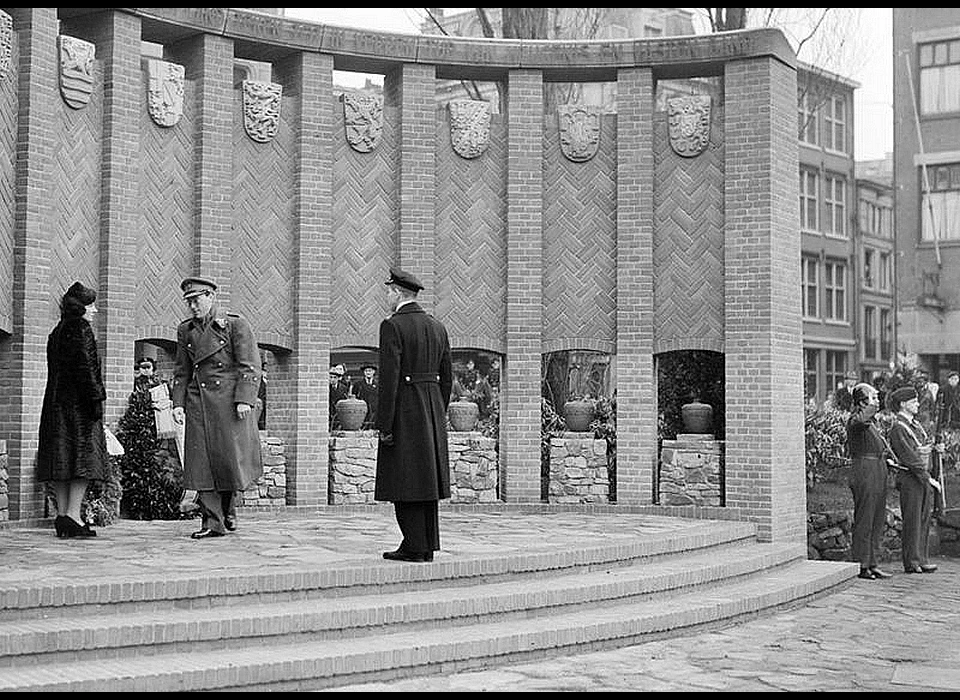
x,y
299,226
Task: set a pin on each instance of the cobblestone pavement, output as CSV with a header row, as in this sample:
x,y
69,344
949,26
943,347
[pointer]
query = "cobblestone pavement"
x,y
899,634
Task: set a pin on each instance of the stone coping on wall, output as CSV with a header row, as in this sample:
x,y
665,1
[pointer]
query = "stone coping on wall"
x,y
267,37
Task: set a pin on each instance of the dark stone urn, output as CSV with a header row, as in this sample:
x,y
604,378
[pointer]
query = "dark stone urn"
x,y
697,417
351,411
463,415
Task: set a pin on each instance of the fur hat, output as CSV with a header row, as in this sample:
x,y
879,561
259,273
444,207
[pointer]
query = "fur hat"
x,y
84,295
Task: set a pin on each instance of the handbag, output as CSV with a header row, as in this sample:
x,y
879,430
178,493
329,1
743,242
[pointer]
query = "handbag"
x,y
114,448
163,411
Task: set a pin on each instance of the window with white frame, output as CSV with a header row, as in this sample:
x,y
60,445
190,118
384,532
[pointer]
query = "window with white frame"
x,y
809,221
807,119
835,367
886,334
941,206
884,272
869,332
875,219
811,286
834,201
835,124
835,290
940,77
868,270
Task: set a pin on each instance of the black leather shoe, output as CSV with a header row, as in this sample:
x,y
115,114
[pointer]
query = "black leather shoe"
x,y
879,573
913,570
70,528
230,523
205,533
928,568
401,555
867,574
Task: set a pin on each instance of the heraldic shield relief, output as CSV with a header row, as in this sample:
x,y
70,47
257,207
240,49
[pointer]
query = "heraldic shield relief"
x,y
76,70
6,42
164,92
689,122
579,131
261,109
362,120
469,127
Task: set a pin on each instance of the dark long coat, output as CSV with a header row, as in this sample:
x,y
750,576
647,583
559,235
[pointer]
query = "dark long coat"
x,y
72,444
217,367
415,383
368,393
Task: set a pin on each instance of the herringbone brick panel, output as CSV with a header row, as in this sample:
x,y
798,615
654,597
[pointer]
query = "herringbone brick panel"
x,y
165,239
579,241
75,247
262,242
365,232
8,144
688,238
471,250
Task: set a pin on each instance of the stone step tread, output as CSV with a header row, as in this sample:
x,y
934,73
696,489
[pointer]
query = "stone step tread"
x,y
286,663
361,573
126,629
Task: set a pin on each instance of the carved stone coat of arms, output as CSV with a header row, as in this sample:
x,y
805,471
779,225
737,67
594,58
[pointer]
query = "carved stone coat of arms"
x,y
76,70
689,124
261,109
579,127
469,127
362,120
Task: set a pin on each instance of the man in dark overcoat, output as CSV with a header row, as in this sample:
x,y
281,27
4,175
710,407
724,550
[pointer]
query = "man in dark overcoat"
x,y
367,389
416,376
215,385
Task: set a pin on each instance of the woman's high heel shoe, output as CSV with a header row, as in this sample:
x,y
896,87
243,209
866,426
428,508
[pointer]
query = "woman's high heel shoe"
x,y
74,529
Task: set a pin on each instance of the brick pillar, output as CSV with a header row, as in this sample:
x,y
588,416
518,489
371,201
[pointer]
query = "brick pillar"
x,y
636,381
413,89
764,372
118,48
23,356
299,391
208,60
520,400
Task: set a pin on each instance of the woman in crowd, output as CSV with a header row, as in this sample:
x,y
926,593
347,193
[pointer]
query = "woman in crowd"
x,y
73,449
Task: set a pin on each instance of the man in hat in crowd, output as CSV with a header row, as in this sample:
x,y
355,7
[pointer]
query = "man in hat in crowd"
x,y
843,398
912,446
338,390
415,382
215,383
948,402
366,389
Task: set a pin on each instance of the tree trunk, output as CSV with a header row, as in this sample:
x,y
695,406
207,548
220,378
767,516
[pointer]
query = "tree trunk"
x,y
525,22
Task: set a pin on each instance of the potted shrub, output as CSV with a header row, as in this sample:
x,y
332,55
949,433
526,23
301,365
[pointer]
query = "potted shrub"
x,y
579,410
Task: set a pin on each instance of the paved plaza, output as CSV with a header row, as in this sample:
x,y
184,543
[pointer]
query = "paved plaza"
x,y
899,634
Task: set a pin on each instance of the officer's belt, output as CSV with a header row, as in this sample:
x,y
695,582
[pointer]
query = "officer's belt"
x,y
421,378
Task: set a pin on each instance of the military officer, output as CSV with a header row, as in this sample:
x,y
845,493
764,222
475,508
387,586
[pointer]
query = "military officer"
x,y
216,378
415,381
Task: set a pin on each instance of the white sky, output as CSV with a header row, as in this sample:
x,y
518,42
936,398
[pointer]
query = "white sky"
x,y
866,58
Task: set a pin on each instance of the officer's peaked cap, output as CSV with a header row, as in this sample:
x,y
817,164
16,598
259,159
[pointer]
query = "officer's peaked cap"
x,y
193,286
404,279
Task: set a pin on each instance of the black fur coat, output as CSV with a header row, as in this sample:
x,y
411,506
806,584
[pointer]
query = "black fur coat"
x,y
72,444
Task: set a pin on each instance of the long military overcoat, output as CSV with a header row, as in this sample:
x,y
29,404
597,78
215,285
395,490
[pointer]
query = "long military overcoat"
x,y
415,383
72,444
217,367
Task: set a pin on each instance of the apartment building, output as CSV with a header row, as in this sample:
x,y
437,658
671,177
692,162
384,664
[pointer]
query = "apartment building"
x,y
926,170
